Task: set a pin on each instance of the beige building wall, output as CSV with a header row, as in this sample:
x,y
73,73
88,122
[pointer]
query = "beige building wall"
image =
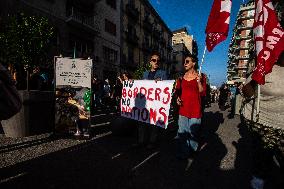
x,y
183,37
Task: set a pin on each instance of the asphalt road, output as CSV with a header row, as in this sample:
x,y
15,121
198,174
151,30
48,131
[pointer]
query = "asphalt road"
x,y
108,161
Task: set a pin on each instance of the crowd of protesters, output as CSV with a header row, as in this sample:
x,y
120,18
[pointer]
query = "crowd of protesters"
x,y
191,93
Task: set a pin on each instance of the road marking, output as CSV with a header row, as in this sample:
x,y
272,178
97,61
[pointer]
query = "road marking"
x,y
100,124
12,177
144,161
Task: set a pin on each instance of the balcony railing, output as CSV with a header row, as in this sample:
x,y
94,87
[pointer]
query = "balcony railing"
x,y
132,12
243,57
244,27
77,17
244,47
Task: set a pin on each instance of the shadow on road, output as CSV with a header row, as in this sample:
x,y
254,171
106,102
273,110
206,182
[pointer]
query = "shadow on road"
x,y
111,162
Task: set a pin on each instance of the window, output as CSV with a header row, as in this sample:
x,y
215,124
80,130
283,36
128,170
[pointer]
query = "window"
x,y
111,3
110,55
110,27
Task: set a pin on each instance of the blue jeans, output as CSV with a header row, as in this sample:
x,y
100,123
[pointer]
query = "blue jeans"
x,y
187,136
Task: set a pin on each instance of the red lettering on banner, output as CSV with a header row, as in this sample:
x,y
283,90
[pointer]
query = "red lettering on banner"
x,y
153,115
124,93
143,113
166,91
150,91
143,92
135,92
165,117
129,112
157,94
129,93
123,109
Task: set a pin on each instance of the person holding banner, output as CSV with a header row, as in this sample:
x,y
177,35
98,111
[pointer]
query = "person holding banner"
x,y
188,89
157,74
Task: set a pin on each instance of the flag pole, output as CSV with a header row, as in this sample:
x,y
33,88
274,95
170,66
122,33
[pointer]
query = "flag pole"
x,y
202,60
258,102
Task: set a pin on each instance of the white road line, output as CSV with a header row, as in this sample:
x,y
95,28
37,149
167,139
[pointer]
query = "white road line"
x,y
144,161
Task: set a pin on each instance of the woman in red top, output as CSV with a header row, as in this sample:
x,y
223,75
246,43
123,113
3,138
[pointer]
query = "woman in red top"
x,y
188,91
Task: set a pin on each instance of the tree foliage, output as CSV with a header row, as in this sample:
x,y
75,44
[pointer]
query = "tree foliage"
x,y
24,40
138,74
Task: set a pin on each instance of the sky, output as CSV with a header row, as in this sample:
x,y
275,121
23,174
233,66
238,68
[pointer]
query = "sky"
x,y
193,14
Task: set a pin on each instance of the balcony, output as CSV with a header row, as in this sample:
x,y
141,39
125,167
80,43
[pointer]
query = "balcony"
x,y
244,27
231,71
242,67
132,37
248,6
244,47
79,19
147,25
243,57
132,12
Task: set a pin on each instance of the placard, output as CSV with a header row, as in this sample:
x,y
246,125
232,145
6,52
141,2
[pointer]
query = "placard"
x,y
73,96
147,101
73,72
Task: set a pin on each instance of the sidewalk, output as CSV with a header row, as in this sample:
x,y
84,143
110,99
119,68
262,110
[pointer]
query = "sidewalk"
x,y
107,161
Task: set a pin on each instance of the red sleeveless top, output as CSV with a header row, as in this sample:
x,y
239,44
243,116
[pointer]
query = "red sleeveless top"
x,y
189,93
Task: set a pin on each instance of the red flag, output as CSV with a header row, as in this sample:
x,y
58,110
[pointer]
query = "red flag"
x,y
218,23
269,39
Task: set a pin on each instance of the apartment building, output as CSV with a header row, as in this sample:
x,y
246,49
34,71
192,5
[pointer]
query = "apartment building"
x,y
241,50
182,43
85,28
142,31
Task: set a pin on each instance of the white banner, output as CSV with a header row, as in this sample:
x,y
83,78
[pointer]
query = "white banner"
x,y
147,101
73,72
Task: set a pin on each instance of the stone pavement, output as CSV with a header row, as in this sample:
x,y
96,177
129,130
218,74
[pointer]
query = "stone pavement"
x,y
108,161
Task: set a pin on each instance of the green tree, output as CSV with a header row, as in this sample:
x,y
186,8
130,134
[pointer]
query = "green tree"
x,y
24,41
138,74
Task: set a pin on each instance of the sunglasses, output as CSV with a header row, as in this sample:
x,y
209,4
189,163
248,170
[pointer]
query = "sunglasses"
x,y
187,61
155,60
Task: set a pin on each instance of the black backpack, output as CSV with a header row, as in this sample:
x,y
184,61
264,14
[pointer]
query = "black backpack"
x,y
10,101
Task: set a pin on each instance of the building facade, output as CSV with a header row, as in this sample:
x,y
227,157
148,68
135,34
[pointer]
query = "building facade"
x,y
241,50
182,43
143,31
86,28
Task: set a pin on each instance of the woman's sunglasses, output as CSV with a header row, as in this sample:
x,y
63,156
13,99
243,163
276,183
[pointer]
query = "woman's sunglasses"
x,y
186,61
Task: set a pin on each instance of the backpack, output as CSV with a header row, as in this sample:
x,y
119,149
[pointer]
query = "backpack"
x,y
10,101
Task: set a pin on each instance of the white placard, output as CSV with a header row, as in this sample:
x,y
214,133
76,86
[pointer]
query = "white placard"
x,y
73,72
147,101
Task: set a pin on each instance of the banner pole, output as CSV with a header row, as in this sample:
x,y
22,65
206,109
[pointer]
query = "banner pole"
x,y
202,60
258,102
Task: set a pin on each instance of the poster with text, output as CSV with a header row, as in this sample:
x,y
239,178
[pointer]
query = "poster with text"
x,y
73,95
73,72
147,101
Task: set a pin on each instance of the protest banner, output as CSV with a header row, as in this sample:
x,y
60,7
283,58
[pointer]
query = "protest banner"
x,y
147,101
73,95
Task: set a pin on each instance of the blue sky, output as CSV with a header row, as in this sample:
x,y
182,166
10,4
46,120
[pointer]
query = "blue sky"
x,y
193,15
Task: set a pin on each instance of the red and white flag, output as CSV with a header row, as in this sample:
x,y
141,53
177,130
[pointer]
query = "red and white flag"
x,y
269,39
218,23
